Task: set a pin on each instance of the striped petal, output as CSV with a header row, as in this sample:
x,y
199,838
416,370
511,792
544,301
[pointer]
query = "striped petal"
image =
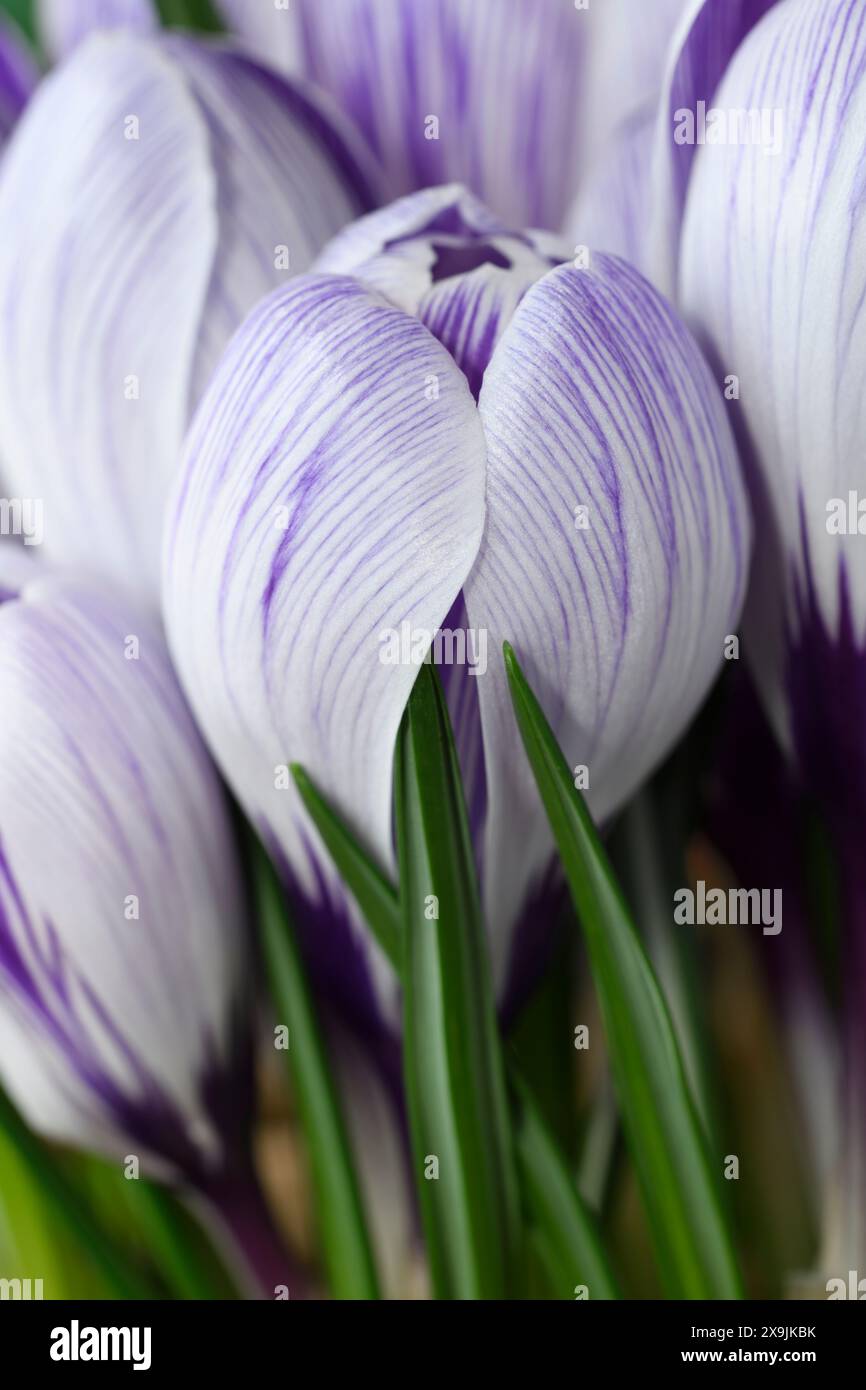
x,y
18,76
64,23
332,493
774,275
709,34
441,256
615,549
122,952
447,90
167,187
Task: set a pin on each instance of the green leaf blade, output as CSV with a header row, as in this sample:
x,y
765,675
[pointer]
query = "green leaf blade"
x,y
345,1243
373,893
453,1063
120,1275
668,1147
569,1243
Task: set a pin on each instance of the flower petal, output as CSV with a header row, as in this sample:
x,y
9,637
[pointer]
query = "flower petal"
x,y
774,276
597,397
126,228
443,257
17,565
708,36
162,182
328,496
503,91
630,44
288,174
611,210
123,961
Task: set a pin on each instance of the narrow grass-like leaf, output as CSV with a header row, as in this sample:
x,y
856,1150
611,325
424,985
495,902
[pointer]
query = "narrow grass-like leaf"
x,y
30,1242
665,1138
345,1243
458,1107
96,1245
565,1230
187,1261
567,1240
371,890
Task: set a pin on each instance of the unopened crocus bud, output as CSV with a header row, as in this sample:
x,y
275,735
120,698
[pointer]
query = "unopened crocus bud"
x,y
124,956
504,446
153,191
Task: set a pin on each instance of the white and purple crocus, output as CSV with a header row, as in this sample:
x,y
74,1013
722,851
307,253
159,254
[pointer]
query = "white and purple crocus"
x,y
167,185
125,962
772,273
450,426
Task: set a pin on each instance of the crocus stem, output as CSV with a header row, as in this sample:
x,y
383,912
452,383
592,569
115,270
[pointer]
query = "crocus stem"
x,y
247,1229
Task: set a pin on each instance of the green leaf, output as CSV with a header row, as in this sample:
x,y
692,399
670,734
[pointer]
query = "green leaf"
x,y
565,1230
571,1244
342,1228
65,1201
371,890
664,1134
453,1067
22,12
29,1244
189,14
181,1251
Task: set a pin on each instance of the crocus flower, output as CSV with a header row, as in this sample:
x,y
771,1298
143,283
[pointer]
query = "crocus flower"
x,y
124,961
63,24
166,185
449,428
773,272
509,99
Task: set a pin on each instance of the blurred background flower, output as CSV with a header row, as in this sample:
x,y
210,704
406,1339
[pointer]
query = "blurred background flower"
x,y
125,964
455,423
168,186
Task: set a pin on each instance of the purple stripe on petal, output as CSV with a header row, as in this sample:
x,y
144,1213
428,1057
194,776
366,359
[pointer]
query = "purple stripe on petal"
x,y
123,960
708,38
502,87
441,256
327,498
615,550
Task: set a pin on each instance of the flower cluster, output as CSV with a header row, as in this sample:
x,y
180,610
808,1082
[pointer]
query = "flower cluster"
x,y
363,334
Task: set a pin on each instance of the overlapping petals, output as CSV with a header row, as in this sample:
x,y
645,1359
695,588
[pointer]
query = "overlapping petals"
x,y
633,197
615,551
325,497
348,415
123,966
